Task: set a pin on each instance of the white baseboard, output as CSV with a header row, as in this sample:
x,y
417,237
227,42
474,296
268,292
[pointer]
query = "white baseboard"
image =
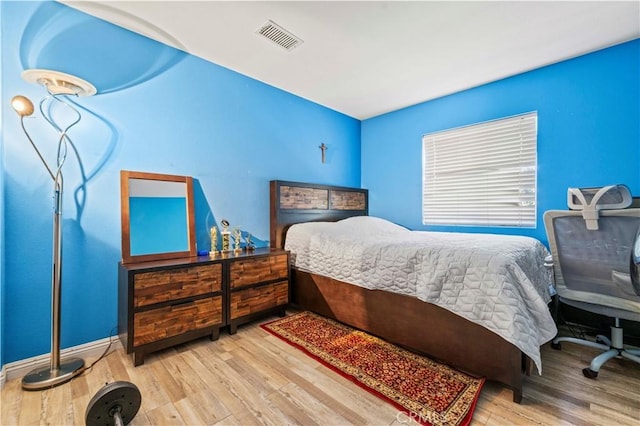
x,y
87,350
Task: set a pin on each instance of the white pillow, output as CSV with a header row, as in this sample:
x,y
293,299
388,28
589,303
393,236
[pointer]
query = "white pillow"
x,y
370,224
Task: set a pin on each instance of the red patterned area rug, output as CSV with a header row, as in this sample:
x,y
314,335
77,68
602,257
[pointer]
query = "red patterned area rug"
x,y
422,389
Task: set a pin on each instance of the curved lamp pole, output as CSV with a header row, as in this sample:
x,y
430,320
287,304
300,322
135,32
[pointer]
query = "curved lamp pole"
x,y
58,85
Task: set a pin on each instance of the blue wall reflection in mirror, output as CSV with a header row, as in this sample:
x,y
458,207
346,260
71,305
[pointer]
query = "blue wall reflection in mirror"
x,y
158,217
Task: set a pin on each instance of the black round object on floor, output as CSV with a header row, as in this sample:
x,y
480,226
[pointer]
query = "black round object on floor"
x,y
589,373
116,403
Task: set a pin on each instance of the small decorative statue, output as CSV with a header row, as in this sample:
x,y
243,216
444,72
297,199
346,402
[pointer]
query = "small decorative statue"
x,y
249,246
226,236
213,234
237,236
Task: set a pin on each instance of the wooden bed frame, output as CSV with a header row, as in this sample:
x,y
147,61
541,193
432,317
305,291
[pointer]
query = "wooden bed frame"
x,y
403,320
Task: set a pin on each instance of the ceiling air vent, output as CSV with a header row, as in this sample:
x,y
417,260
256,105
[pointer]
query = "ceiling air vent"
x,y
278,35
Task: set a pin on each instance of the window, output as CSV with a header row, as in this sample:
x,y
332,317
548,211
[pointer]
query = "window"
x,y
483,174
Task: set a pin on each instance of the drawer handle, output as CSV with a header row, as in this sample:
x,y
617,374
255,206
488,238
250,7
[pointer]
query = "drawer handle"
x,y
183,304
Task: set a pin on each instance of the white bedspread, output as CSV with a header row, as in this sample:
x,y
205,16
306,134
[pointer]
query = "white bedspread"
x,y
497,281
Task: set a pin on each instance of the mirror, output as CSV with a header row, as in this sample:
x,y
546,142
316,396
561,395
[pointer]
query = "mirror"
x,y
157,215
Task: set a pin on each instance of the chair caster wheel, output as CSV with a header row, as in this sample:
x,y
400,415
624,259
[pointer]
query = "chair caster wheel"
x,y
589,373
115,404
556,346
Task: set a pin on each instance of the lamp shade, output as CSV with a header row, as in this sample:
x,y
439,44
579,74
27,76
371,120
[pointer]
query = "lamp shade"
x,y
22,105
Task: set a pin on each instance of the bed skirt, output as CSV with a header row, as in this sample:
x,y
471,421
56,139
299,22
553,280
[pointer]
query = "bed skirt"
x,y
419,326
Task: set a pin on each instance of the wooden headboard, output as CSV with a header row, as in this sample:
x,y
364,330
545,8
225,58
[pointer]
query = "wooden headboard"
x,y
296,202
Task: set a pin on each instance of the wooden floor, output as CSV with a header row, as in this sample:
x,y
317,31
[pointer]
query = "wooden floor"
x,y
253,377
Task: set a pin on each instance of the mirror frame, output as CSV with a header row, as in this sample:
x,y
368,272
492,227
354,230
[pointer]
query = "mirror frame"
x,y
125,175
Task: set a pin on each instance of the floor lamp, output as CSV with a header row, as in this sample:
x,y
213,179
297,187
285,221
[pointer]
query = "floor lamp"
x,y
59,86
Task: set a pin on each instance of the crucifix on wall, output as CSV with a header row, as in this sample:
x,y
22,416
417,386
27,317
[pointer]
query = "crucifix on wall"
x,y
323,148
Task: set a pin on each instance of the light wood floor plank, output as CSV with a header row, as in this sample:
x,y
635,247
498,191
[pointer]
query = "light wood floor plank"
x,y
172,386
118,367
81,396
292,410
55,406
141,419
319,413
206,405
30,408
11,403
214,383
188,413
189,380
254,378
241,388
324,384
166,414
143,378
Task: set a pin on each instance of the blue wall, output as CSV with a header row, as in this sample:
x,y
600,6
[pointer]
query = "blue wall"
x,y
186,117
588,134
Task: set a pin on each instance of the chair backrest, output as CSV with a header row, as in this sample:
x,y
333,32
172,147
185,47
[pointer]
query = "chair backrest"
x,y
596,266
591,200
634,264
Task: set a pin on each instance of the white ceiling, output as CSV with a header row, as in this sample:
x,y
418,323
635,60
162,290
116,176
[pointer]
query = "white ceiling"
x,y
365,58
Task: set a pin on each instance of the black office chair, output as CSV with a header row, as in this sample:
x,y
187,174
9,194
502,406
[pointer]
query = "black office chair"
x,y
596,262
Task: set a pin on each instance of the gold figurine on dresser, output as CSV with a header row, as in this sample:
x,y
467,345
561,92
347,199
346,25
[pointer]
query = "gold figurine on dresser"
x,y
168,298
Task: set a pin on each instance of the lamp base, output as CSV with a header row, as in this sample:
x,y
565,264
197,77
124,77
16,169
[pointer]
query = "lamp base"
x,y
45,377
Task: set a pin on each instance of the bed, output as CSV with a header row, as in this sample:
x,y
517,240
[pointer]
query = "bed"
x,y
487,316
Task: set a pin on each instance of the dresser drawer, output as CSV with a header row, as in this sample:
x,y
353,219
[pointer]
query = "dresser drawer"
x,y
253,271
252,300
172,284
157,324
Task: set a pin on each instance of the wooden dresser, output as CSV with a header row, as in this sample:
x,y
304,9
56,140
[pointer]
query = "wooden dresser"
x,y
168,302
257,285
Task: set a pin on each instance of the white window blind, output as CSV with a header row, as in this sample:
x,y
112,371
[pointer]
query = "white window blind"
x,y
483,174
